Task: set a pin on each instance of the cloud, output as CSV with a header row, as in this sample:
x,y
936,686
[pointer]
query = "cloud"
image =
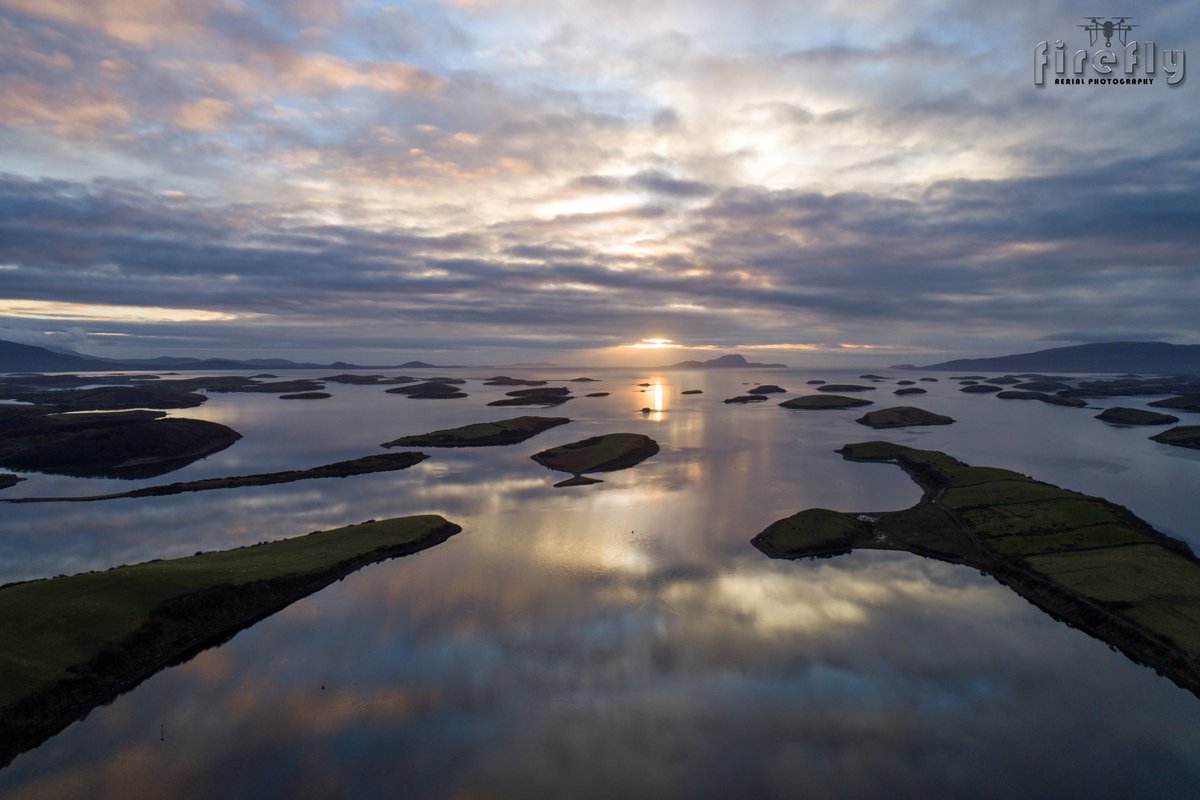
x,y
507,172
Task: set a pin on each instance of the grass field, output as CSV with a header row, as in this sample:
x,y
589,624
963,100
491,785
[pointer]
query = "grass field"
x,y
1092,563
50,628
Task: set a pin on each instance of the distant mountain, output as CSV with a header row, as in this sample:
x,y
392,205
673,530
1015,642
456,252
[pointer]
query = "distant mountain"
x,y
16,357
1139,357
723,362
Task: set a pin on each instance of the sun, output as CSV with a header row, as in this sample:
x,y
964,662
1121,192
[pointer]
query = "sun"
x,y
654,344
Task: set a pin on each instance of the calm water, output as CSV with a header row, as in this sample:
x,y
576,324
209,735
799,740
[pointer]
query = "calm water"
x,y
623,639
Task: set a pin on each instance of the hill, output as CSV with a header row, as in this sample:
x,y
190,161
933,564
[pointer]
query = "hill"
x,y
723,362
1138,357
16,357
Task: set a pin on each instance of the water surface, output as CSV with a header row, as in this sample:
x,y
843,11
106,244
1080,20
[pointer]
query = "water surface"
x,y
621,639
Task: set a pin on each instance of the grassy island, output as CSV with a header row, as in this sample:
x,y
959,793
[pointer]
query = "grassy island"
x,y
1082,559
606,453
844,387
122,444
1052,399
1181,436
902,417
482,434
825,401
385,462
429,390
1179,403
1119,415
69,644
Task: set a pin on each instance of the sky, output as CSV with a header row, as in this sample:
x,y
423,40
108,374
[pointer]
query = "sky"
x,y
596,182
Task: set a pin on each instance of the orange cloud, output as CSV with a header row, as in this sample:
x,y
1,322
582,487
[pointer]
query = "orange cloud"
x,y
206,114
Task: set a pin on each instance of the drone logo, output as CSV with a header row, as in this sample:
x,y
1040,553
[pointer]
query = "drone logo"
x,y
1107,29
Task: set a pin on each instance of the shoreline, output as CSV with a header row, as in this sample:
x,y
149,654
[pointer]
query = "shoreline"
x,y
934,529
177,626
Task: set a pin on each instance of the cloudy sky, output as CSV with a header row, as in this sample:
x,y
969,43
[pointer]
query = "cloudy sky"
x,y
497,181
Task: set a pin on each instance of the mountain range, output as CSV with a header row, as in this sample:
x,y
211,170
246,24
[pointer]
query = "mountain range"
x,y
15,357
1139,357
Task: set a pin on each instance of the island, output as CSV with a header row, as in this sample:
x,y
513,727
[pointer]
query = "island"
x,y
769,388
1179,403
538,396
606,453
7,480
980,388
1042,386
106,398
1052,399
429,390
734,361
482,434
121,444
385,462
69,644
742,399
306,396
1182,436
825,401
909,390
1088,562
505,380
844,387
1120,415
902,417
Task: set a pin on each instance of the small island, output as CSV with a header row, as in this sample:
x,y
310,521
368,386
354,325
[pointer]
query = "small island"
x,y
539,396
121,444
815,402
306,396
980,388
902,417
385,462
1051,399
845,387
482,434
606,453
1120,415
7,480
69,644
505,380
429,390
1182,436
910,390
1082,559
742,399
1179,403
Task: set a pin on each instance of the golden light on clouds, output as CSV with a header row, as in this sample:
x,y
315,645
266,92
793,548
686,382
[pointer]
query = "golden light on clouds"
x,y
43,309
654,344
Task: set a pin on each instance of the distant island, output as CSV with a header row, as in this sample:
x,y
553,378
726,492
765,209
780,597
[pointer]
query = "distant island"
x,y
1139,357
723,362
15,357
